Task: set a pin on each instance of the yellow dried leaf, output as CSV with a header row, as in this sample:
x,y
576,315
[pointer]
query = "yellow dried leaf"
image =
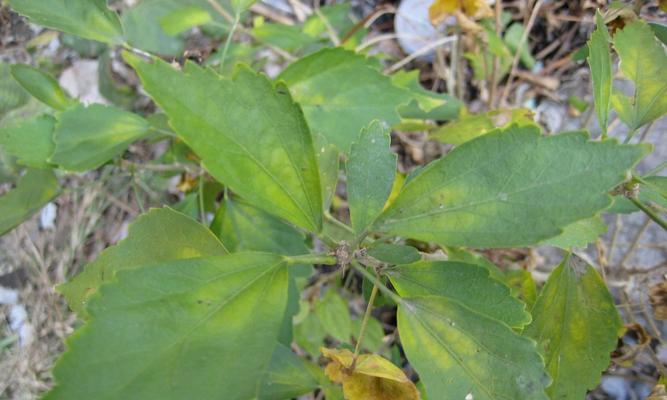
x,y
187,183
464,10
658,393
658,299
370,378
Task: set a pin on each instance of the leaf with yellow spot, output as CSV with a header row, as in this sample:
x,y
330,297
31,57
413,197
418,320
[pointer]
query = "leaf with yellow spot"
x,y
158,236
370,378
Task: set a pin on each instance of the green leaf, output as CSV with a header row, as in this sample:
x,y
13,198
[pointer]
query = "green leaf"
x,y
201,328
340,92
468,284
287,37
88,137
576,326
36,188
511,187
457,351
183,19
90,19
143,27
513,38
425,104
160,235
242,227
470,257
599,59
288,376
82,47
580,54
338,18
394,254
577,104
469,127
42,86
371,169
373,337
652,191
309,334
522,285
331,309
579,234
645,65
660,31
225,120
328,160
241,5
119,93
29,140
497,48
12,95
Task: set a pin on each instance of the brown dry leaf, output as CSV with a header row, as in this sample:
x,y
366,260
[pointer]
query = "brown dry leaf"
x,y
616,18
465,11
643,338
371,378
658,298
658,393
625,355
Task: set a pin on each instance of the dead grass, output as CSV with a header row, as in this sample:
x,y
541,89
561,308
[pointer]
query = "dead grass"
x,y
92,212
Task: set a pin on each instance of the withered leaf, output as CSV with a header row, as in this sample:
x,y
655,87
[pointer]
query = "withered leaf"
x,y
370,378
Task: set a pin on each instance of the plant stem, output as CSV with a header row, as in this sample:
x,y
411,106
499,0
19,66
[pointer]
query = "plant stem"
x,y
135,190
220,10
333,36
643,135
322,259
235,24
200,194
338,223
649,212
657,169
457,63
498,9
134,50
396,298
367,315
515,61
358,239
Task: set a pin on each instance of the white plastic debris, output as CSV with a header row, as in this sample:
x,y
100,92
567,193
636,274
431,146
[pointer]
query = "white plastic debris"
x,y
8,296
414,28
18,322
47,217
18,316
81,81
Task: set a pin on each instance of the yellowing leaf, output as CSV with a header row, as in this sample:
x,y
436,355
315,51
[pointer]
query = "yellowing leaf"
x,y
463,9
471,126
645,65
370,378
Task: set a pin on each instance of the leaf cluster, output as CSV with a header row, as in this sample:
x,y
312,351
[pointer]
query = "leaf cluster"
x,y
185,309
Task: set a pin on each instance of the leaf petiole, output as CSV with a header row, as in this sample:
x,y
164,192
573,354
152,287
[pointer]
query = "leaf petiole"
x,y
367,315
322,259
388,292
649,212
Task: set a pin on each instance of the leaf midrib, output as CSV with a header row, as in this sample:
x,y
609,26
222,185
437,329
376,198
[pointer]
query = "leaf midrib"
x,y
453,354
250,155
182,338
